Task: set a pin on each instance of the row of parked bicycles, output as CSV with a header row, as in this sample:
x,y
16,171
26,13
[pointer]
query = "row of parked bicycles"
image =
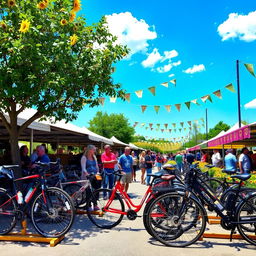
x,y
176,206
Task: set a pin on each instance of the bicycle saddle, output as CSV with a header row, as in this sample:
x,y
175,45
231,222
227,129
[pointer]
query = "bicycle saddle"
x,y
229,171
158,174
243,176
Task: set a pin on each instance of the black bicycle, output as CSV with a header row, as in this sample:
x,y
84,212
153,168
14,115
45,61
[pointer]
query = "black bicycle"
x,y
183,218
51,209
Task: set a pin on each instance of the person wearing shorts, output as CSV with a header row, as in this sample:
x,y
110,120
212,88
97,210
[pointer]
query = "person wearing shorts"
x,y
126,163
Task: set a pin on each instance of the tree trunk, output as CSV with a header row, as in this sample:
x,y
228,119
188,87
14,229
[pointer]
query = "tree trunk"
x,y
14,142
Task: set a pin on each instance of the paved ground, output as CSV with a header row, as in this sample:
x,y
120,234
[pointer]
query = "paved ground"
x,y
128,238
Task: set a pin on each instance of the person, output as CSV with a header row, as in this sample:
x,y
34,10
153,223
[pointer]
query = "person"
x,y
42,156
170,157
126,163
179,161
253,157
244,161
230,160
159,161
89,166
149,165
153,157
142,166
198,156
204,157
216,158
34,156
190,158
25,160
45,148
108,160
134,165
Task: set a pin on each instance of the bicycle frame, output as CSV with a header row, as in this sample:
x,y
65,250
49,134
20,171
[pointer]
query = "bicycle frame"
x,y
120,188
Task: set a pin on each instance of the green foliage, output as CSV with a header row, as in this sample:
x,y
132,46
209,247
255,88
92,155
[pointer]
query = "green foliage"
x,y
112,125
220,126
40,67
137,138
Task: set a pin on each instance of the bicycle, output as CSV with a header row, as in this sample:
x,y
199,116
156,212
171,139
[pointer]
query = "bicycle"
x,y
183,217
51,209
112,208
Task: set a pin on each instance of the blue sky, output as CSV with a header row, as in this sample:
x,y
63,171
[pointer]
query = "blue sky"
x,y
169,38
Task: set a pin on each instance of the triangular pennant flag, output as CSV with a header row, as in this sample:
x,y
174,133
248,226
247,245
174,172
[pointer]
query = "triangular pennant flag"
x,y
230,87
157,108
185,129
202,119
151,129
195,102
174,125
165,125
189,123
196,121
127,97
204,98
135,124
188,104
174,130
158,125
170,130
162,130
150,125
113,99
152,90
142,124
139,93
181,124
143,108
102,101
180,129
146,128
178,107
218,94
173,81
250,68
165,84
168,108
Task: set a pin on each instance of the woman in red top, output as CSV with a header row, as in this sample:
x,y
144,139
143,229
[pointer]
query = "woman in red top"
x,y
159,161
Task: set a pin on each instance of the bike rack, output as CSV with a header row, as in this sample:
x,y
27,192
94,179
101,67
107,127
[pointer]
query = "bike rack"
x,y
214,220
23,236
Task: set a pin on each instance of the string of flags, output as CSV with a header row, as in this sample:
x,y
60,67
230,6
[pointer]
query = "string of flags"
x,y
155,140
173,127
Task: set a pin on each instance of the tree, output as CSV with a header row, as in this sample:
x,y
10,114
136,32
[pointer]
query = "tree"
x,y
112,125
51,61
220,126
137,138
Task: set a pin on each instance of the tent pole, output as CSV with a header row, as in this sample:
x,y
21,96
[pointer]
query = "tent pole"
x,y
31,141
238,93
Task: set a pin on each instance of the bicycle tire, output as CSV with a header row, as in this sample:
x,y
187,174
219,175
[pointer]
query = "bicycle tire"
x,y
248,206
97,217
78,198
145,213
8,212
167,227
55,217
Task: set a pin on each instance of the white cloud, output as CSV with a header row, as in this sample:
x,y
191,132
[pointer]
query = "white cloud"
x,y
165,68
130,31
195,69
171,75
240,26
169,55
175,64
152,59
250,105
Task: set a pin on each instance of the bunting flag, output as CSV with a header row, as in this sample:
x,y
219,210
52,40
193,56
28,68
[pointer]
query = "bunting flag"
x,y
196,121
135,124
181,124
250,68
150,125
166,126
112,99
143,108
151,129
230,87
170,130
146,128
175,130
102,101
165,84
152,90
218,94
178,107
157,108
142,124
180,129
202,119
139,93
127,97
174,125
173,81
189,123
195,102
206,97
158,125
188,104
168,108
162,130
185,129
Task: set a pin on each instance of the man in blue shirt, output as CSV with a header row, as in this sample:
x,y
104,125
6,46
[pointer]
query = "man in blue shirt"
x,y
126,162
230,160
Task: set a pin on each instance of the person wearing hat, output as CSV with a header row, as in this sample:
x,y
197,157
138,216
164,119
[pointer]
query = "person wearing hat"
x,y
230,160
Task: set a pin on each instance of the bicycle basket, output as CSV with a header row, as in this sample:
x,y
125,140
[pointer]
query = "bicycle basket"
x,y
6,178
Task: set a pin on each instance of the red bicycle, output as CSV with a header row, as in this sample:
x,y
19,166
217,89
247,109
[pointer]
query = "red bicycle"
x,y
51,209
112,208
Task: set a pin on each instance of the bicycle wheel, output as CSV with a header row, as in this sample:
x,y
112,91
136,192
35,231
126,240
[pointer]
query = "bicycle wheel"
x,y
145,213
247,215
103,218
176,221
78,198
8,209
52,213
